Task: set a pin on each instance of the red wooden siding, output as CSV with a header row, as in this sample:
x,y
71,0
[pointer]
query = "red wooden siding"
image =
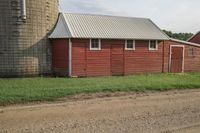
x,y
195,39
79,58
98,62
86,62
60,56
191,63
142,60
113,59
117,59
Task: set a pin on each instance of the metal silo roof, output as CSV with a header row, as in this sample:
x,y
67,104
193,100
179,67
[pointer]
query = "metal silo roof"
x,y
106,27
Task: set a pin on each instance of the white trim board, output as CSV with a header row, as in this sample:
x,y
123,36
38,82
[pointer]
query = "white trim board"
x,y
70,58
185,42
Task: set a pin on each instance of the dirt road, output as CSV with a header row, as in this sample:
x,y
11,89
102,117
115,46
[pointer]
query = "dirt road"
x,y
165,112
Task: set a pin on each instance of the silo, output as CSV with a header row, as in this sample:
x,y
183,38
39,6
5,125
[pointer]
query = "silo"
x,y
25,49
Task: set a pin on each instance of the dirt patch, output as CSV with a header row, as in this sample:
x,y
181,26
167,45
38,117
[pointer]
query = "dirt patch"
x,y
170,111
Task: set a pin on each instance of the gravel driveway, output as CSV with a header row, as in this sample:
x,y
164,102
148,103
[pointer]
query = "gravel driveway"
x,y
150,112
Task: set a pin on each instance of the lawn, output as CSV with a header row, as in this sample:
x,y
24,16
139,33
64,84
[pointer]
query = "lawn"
x,y
23,90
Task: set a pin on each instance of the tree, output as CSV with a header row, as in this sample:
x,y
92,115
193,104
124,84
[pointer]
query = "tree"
x,y
180,36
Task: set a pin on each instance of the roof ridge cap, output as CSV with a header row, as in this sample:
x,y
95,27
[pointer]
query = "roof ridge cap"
x,y
104,15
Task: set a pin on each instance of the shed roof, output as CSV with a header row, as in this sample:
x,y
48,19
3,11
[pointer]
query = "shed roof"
x,y
106,27
193,36
185,42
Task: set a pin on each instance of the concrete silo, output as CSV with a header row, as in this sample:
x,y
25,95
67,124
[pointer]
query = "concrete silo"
x,y
24,28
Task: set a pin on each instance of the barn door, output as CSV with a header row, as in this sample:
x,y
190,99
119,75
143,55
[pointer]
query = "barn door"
x,y
79,59
117,59
176,59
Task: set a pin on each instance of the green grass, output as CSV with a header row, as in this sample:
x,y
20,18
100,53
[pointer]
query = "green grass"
x,y
22,90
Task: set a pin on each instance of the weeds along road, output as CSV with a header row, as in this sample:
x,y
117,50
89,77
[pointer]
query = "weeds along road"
x,y
172,111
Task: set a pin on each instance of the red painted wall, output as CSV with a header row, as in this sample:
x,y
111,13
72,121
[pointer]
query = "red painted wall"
x,y
98,63
195,39
60,56
117,58
142,60
86,62
191,63
89,63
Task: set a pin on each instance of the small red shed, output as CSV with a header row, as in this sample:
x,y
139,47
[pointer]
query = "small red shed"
x,y
97,45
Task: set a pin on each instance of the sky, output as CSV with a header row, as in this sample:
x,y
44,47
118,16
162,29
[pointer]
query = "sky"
x,y
173,15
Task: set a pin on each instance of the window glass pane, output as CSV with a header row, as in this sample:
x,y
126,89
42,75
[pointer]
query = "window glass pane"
x,y
153,42
129,44
191,51
152,45
95,43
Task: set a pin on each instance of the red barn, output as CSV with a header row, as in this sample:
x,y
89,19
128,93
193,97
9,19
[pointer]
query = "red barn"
x,y
195,38
97,45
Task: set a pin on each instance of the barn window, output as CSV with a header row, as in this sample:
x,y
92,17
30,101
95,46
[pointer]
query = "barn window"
x,y
130,45
95,44
191,52
153,45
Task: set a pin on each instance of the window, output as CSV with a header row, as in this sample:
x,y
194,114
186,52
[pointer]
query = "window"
x,y
130,45
153,45
95,44
191,52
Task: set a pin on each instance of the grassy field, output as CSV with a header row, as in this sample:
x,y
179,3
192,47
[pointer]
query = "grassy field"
x,y
22,90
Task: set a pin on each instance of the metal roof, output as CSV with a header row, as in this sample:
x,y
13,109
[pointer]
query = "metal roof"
x,y
185,42
106,27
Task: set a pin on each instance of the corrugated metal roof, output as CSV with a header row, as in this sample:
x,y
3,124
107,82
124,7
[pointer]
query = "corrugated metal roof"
x,y
106,27
61,30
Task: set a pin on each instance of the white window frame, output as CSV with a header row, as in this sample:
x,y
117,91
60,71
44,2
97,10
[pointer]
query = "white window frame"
x,y
126,44
99,48
153,49
193,52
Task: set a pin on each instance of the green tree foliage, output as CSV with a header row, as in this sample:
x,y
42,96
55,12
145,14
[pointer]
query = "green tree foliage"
x,y
180,36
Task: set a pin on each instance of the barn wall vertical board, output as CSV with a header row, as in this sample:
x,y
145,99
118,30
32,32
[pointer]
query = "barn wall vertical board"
x,y
60,56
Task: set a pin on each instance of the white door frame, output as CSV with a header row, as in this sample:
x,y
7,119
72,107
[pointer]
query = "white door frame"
x,y
170,58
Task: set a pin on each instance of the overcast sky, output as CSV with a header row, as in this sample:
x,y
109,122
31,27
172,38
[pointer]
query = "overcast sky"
x,y
174,15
